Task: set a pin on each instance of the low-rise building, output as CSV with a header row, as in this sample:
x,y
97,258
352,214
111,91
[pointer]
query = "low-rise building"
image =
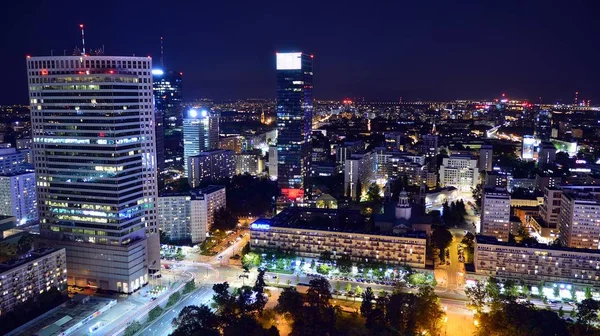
x,y
308,241
534,264
30,275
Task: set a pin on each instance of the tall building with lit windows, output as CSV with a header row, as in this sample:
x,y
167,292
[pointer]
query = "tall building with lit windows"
x,y
200,133
168,100
294,121
94,142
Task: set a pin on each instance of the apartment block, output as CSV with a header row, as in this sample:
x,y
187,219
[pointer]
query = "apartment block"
x,y
495,213
30,275
408,250
533,264
209,166
189,216
579,220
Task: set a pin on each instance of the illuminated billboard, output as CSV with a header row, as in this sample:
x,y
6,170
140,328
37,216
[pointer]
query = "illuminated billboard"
x,y
528,147
289,61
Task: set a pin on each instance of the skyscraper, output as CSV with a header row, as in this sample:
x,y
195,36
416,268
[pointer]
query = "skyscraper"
x,y
486,153
200,133
294,121
168,99
94,144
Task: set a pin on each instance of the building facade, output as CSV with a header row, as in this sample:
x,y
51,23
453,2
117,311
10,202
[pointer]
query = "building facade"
x,y
495,213
30,275
211,165
18,197
459,171
359,171
534,264
200,134
395,250
12,161
579,220
486,153
294,120
188,217
249,163
95,162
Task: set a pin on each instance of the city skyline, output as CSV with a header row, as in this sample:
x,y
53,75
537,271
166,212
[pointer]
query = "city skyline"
x,y
437,52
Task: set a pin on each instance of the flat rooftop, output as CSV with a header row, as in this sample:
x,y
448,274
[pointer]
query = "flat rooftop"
x,y
490,240
23,259
347,221
57,321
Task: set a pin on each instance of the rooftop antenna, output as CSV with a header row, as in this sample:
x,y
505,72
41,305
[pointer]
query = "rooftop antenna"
x,y
162,53
82,38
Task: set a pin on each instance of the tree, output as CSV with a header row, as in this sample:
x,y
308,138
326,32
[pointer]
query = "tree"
x,y
290,301
358,290
588,292
366,307
173,299
441,238
189,287
348,287
154,313
556,292
325,257
477,296
323,269
587,312
373,193
224,220
510,289
344,264
251,260
492,288
401,313
514,319
133,328
319,293
429,311
196,320
259,291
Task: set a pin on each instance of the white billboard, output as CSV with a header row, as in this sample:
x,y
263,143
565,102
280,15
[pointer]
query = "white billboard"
x,y
528,147
289,61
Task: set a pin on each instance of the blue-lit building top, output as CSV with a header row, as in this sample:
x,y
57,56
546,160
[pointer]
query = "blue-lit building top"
x,y
200,133
294,119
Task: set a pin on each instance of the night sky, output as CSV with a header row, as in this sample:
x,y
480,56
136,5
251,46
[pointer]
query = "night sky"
x,y
379,50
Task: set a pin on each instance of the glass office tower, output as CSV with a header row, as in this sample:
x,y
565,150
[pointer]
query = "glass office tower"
x,y
94,147
200,133
294,122
168,100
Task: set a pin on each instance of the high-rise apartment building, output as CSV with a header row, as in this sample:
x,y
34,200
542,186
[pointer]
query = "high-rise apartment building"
x,y
200,133
359,171
209,166
495,213
579,220
188,217
294,121
546,155
18,197
94,146
459,171
486,153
